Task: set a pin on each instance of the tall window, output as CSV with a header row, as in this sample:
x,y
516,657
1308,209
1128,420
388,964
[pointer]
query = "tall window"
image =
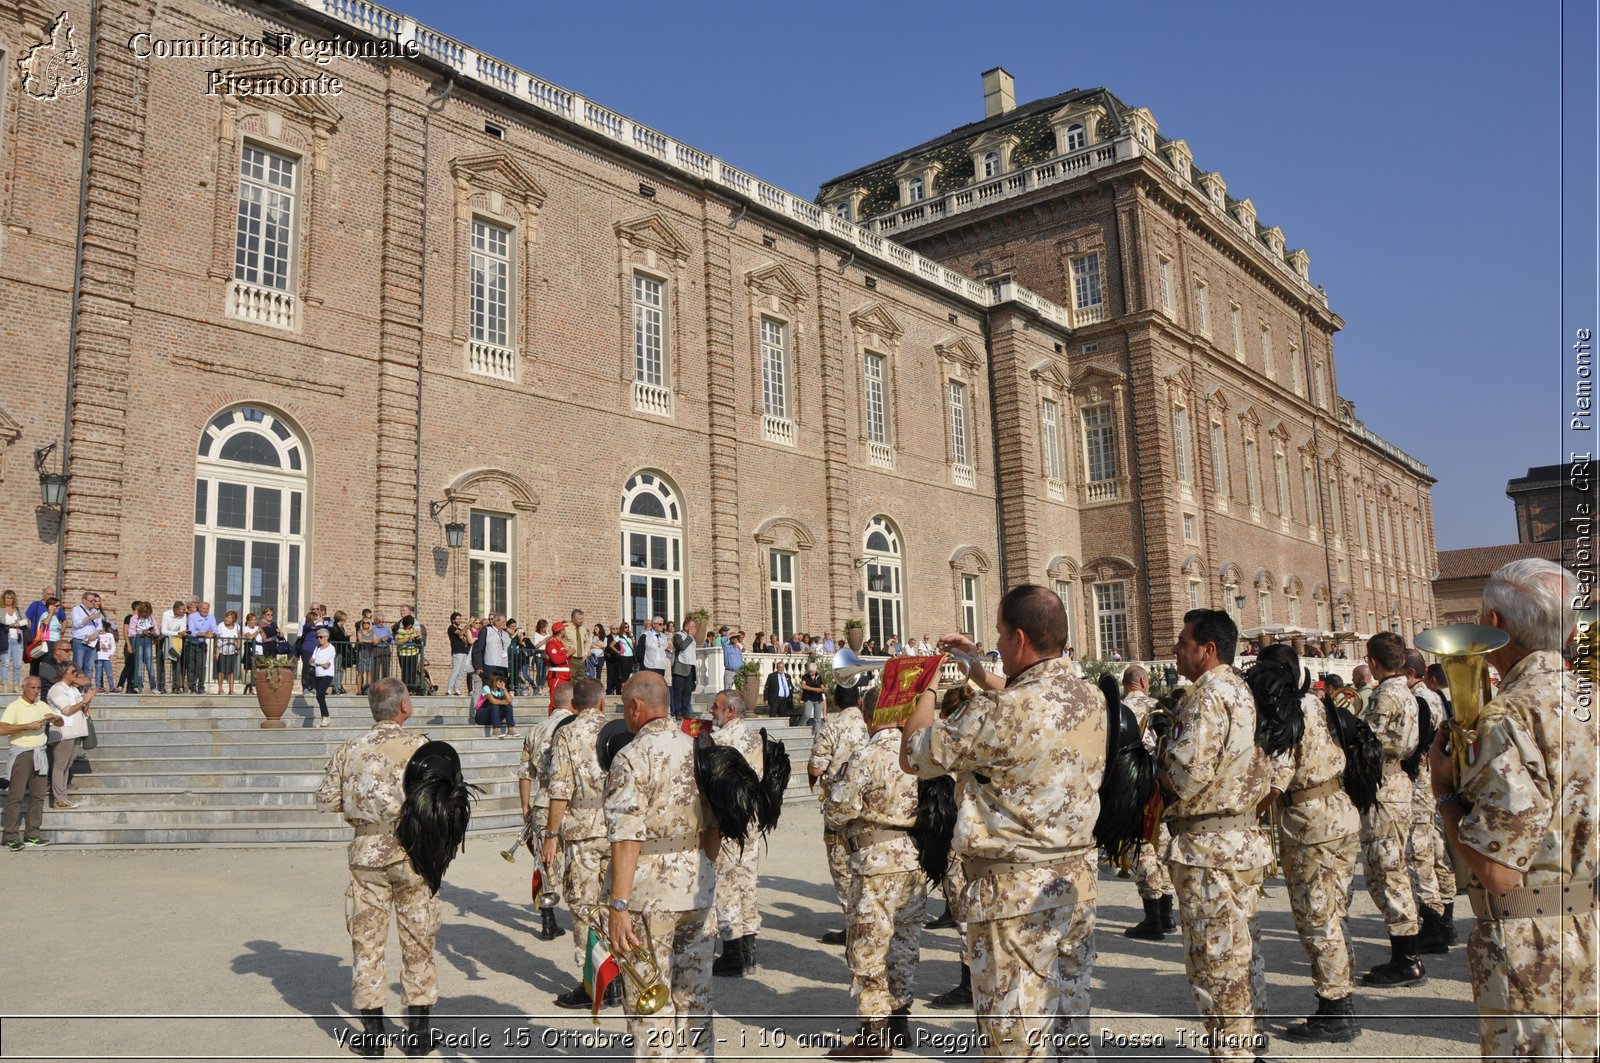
x,y
1252,473
780,589
264,239
1266,353
960,451
1063,589
251,508
1076,137
1194,594
969,605
491,283
1232,602
1111,617
1180,442
1237,316
1309,480
1294,611
1050,438
1202,308
1219,461
877,421
882,574
652,549
774,369
1361,521
490,562
916,190
1316,383
1164,272
1335,508
1280,472
649,331
1264,606
1086,291
1099,443
991,164
1297,372
1191,528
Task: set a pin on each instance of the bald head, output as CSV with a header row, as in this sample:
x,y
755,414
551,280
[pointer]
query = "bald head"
x,y
561,697
644,698
1135,677
1416,666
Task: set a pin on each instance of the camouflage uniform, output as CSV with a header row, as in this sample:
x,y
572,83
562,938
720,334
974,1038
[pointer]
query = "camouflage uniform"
x,y
364,782
576,778
652,798
737,913
888,891
1028,762
1531,787
1433,877
1317,838
534,765
1392,715
1149,872
843,732
1218,866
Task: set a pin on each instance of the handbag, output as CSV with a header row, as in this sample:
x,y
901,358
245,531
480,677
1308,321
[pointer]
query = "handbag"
x,y
92,739
41,640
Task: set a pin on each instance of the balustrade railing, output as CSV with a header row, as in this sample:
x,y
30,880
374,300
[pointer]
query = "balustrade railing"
x,y
260,306
963,476
652,398
487,359
881,455
777,429
1101,491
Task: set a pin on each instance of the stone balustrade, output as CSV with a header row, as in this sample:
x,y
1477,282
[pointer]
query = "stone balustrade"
x,y
487,359
260,306
652,399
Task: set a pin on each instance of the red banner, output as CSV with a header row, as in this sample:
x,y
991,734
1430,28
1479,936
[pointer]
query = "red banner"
x,y
903,679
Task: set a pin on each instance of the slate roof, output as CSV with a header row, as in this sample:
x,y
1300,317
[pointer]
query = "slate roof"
x,y
1480,561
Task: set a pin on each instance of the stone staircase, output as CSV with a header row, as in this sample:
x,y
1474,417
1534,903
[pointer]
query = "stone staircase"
x,y
187,771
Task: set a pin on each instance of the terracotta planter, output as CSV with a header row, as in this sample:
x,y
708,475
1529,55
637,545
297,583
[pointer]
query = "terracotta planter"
x,y
274,700
855,637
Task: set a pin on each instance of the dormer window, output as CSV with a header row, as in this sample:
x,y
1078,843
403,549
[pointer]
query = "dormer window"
x,y
915,178
1076,137
916,190
1144,136
991,164
842,210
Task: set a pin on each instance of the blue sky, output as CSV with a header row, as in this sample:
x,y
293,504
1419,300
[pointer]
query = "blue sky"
x,y
1414,150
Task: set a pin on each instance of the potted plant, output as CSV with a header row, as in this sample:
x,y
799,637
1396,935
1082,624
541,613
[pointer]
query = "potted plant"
x,y
855,633
274,682
747,681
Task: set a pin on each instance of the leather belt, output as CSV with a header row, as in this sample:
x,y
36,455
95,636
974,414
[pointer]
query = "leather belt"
x,y
855,841
368,830
1311,793
1213,821
589,804
1533,902
976,867
680,843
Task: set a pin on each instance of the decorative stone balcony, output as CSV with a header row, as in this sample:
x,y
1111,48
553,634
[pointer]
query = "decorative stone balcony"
x,y
1056,489
261,306
963,476
652,398
1101,491
777,429
487,359
881,455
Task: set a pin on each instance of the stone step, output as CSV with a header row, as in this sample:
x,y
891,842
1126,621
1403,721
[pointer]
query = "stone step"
x,y
97,814
182,796
288,831
210,744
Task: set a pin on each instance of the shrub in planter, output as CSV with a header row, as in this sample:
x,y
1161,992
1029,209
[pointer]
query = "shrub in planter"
x,y
274,684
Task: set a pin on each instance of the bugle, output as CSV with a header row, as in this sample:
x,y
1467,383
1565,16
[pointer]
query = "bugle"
x,y
638,966
509,854
546,896
1463,652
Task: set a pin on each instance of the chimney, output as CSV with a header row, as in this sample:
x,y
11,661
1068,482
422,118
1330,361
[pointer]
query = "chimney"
x,y
999,93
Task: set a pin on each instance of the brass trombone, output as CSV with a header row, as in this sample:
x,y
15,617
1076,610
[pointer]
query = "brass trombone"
x,y
638,967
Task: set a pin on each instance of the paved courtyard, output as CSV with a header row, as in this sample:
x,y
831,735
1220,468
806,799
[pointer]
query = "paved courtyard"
x,y
241,953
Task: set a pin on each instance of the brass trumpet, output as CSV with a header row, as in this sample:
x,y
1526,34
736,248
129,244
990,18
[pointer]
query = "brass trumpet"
x,y
547,897
639,967
509,855
1463,651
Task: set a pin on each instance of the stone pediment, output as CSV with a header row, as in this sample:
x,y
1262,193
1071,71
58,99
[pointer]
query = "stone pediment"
x,y
1096,383
777,280
876,319
956,349
653,232
498,171
1049,374
310,106
785,528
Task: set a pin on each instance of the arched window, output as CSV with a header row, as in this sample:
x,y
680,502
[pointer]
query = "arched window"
x,y
1076,137
991,164
882,588
916,190
652,549
251,507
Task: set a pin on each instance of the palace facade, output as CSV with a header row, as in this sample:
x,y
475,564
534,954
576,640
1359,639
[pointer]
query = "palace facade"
x,y
411,325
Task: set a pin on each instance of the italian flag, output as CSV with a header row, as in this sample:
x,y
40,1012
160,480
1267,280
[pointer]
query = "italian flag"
x,y
599,971
536,881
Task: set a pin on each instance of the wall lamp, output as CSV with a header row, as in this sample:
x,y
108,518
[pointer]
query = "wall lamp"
x,y
455,532
52,485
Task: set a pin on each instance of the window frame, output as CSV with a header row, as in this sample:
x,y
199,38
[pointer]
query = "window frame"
x,y
1109,614
777,398
783,592
507,259
1050,439
1087,279
641,353
1107,431
1202,307
1180,444
958,418
481,583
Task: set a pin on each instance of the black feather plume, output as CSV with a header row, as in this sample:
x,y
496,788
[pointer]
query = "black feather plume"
x,y
1280,721
935,826
437,808
729,786
774,781
1129,781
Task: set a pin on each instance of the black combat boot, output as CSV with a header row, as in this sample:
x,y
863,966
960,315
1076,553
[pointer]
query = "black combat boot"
x,y
549,929
731,962
959,997
1169,922
941,922
900,1027
369,1042
613,997
833,937
1433,939
748,945
1335,1020
1449,919
1403,968
419,1031
1148,929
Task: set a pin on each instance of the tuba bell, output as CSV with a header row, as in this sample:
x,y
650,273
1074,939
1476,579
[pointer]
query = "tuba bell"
x,y
1463,651
638,966
850,670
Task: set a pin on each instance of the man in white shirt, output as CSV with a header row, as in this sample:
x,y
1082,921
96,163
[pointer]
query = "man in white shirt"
x,y
173,625
71,703
685,650
86,626
654,645
496,650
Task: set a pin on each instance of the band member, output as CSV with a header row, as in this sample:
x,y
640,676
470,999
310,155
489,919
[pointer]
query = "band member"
x,y
1317,840
888,891
738,917
664,843
1150,873
1391,712
365,782
575,825
1028,755
843,732
533,779
1214,776
1526,796
1433,876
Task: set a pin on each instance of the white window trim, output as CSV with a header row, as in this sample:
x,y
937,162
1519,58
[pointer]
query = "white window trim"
x,y
489,558
258,301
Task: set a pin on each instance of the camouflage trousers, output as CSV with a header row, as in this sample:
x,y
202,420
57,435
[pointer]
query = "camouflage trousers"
x,y
1031,973
1319,877
586,863
1534,982
1222,954
954,888
681,944
1384,832
367,900
1150,871
883,935
737,914
1433,876
838,865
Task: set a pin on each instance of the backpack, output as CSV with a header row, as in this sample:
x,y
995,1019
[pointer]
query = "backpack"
x,y
1363,755
1425,732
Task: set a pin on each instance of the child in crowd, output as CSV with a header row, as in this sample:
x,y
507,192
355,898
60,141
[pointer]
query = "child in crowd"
x,y
105,646
498,701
